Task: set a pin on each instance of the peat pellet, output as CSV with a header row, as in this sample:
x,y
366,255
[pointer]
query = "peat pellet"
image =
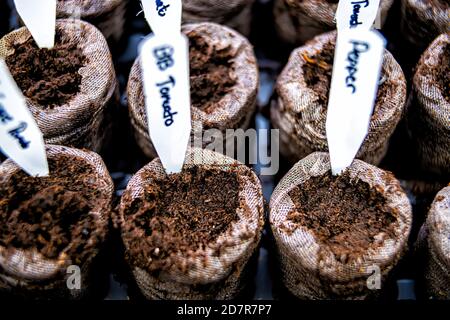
x,y
53,227
108,16
236,14
190,235
333,233
428,117
300,108
423,20
223,78
70,89
437,231
298,21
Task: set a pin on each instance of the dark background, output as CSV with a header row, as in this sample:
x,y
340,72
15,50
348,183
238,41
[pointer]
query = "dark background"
x,y
124,158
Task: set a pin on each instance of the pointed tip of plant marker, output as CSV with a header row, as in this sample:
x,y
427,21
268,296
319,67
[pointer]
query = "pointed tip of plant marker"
x,y
336,171
165,66
358,57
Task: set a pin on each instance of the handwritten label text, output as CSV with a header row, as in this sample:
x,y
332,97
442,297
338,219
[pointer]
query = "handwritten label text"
x,y
354,18
353,60
16,133
161,8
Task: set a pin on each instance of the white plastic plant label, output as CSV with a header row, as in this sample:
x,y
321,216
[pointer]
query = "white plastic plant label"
x,y
165,69
163,16
356,70
20,138
40,18
356,14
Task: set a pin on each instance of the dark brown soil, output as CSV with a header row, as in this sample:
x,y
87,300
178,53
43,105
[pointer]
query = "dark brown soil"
x,y
344,215
443,74
212,73
318,71
182,212
49,77
52,212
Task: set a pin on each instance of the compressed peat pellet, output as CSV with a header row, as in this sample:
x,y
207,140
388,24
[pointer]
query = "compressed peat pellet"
x,y
235,14
298,21
437,235
71,88
51,226
428,117
424,20
333,233
108,16
223,78
300,108
190,235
